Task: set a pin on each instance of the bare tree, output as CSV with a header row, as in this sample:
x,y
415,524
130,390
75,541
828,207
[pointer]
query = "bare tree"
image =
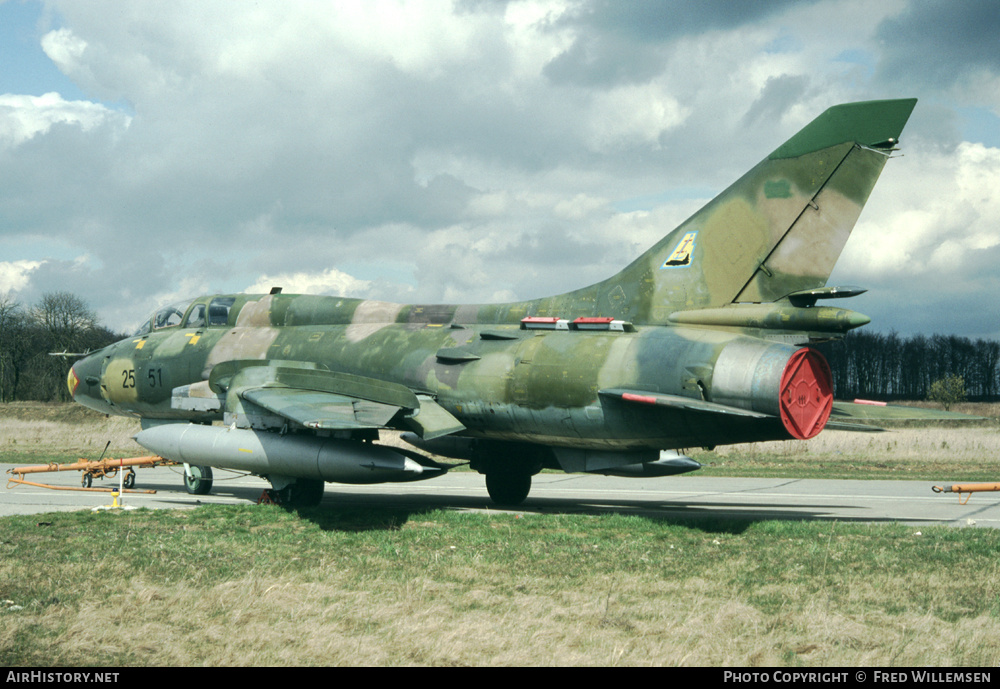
x,y
62,322
64,317
12,325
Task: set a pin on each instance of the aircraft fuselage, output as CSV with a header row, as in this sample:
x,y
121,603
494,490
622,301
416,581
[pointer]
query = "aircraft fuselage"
x,y
501,381
698,342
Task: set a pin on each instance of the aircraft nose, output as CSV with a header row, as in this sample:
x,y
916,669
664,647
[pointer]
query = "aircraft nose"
x,y
84,375
84,383
72,381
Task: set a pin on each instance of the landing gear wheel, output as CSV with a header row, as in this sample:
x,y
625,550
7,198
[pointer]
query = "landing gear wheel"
x,y
198,480
129,480
305,492
508,488
86,480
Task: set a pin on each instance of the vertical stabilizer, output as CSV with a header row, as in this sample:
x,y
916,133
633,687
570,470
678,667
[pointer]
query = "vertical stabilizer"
x,y
778,229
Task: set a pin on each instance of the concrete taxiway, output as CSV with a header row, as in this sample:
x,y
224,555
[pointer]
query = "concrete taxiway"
x,y
678,498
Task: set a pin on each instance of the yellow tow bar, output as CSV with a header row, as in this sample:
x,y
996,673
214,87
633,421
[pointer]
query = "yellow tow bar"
x,y
91,470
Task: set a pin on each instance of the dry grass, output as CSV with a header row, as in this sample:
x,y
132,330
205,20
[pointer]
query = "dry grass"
x,y
966,451
38,432
934,444
257,586
282,621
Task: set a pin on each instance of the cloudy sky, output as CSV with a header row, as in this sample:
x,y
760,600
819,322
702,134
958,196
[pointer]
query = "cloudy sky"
x,y
472,150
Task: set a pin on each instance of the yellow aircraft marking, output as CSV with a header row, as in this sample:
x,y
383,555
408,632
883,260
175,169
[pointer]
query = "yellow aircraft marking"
x,y
194,337
140,343
681,255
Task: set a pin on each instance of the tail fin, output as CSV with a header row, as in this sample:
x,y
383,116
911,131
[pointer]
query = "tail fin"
x,y
779,229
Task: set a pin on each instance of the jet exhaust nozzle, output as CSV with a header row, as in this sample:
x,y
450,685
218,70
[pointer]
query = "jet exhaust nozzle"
x,y
794,384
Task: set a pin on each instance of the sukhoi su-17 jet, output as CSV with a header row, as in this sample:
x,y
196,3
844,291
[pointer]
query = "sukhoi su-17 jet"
x,y
703,340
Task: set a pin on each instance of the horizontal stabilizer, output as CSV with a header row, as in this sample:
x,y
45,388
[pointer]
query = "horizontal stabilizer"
x,y
680,403
893,412
852,427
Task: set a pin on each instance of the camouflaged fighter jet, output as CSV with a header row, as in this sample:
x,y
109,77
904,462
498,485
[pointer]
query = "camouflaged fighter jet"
x,y
701,341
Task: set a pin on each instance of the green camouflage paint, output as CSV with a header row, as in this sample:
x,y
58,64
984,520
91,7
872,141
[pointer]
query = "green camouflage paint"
x,y
700,343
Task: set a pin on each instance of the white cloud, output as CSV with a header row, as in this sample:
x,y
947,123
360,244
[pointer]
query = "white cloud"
x,y
24,117
330,281
14,275
64,48
633,115
930,214
305,144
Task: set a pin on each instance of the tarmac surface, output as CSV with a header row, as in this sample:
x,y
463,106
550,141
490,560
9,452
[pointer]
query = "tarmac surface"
x,y
677,498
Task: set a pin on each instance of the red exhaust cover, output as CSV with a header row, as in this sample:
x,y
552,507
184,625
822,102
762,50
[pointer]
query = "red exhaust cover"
x,y
806,398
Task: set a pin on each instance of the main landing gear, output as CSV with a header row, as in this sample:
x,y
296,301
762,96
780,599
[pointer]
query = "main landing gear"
x,y
508,488
292,492
508,468
303,492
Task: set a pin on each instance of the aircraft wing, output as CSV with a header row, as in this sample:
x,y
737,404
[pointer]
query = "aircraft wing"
x,y
328,400
322,410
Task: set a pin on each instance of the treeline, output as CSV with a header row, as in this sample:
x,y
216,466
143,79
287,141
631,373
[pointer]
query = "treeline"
x,y
868,365
885,366
59,322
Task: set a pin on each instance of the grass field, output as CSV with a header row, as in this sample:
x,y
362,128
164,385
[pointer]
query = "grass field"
x,y
933,453
260,586
253,585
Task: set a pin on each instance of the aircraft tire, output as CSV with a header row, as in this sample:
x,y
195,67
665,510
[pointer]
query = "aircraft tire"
x,y
198,480
305,492
508,488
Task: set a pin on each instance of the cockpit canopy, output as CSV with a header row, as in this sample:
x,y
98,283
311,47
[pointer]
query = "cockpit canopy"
x,y
191,313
